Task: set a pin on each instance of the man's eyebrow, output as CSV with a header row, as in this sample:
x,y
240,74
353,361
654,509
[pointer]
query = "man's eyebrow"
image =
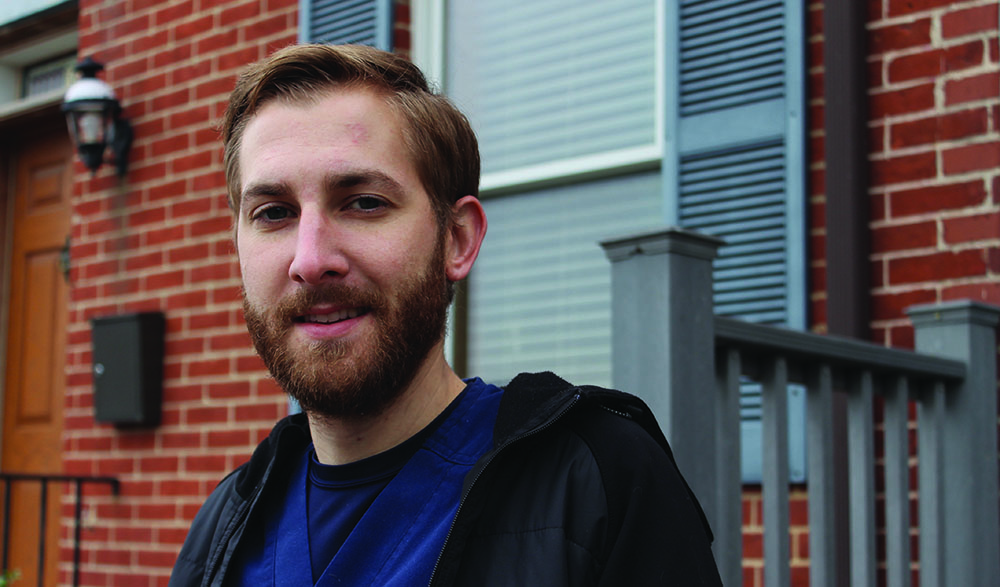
x,y
373,178
264,189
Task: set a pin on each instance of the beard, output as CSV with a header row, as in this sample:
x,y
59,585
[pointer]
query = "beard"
x,y
361,378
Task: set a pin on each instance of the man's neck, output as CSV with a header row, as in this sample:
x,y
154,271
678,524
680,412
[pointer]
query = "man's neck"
x,y
339,440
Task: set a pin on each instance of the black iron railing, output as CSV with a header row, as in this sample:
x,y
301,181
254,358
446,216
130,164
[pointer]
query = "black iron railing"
x,y
78,481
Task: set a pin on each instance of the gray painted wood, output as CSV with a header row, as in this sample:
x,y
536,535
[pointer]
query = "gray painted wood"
x,y
861,480
819,436
728,546
775,478
970,534
897,484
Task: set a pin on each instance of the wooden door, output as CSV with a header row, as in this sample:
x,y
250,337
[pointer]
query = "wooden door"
x,y
35,376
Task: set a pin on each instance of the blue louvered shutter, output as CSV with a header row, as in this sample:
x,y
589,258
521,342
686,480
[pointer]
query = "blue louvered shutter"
x,y
340,22
734,167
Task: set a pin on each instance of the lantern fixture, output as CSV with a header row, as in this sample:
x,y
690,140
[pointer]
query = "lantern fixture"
x,y
93,115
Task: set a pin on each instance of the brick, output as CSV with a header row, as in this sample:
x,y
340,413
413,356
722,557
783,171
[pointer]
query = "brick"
x,y
208,367
182,440
168,190
257,412
908,7
238,59
161,559
219,224
147,216
904,168
164,280
936,198
891,306
229,389
972,88
228,438
215,272
205,464
174,11
187,299
197,26
936,267
267,27
904,236
162,236
987,291
983,156
957,23
176,53
239,12
900,36
184,75
192,162
176,347
158,464
223,342
915,66
902,101
177,487
192,116
972,228
223,39
187,253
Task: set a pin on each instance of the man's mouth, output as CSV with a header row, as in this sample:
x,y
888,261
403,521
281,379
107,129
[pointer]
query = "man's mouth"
x,y
331,317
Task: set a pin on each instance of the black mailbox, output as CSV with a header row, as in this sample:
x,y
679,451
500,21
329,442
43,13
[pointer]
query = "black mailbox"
x,y
128,368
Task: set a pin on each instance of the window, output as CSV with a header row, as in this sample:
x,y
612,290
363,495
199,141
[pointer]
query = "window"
x,y
598,119
337,22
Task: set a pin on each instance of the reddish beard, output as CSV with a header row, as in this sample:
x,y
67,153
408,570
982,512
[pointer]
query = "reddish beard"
x,y
339,379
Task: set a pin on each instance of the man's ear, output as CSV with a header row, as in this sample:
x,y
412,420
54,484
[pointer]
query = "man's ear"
x,y
465,236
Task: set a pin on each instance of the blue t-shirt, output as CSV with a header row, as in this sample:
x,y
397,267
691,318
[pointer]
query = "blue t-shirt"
x,y
379,521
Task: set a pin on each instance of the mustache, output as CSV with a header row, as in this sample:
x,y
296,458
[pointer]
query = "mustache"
x,y
305,299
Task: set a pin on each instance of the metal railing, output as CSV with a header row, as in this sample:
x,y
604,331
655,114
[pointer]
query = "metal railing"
x,y
78,481
687,364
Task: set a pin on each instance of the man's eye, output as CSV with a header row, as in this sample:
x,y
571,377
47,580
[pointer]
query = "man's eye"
x,y
273,214
367,203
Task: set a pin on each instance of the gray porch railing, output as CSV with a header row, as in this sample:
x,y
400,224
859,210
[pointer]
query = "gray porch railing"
x,y
686,363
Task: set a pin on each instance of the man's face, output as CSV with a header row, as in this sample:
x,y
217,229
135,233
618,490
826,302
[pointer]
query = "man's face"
x,y
345,292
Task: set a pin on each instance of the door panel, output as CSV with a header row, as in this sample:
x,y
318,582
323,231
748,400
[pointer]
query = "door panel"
x,y
36,337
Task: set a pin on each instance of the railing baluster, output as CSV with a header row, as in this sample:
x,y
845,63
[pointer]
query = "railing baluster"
x,y
7,487
897,487
77,514
8,480
774,423
727,525
43,517
861,480
819,433
930,451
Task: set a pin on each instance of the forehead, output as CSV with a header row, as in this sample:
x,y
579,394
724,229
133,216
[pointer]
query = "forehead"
x,y
348,127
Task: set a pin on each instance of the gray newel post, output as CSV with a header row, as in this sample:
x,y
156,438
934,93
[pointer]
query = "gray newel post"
x,y
663,341
960,541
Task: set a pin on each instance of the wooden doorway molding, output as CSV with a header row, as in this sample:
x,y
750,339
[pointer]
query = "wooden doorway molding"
x,y
38,212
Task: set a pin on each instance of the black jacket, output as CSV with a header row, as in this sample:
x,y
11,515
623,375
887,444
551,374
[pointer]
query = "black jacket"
x,y
579,489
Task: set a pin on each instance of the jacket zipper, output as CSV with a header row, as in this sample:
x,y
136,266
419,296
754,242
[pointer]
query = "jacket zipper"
x,y
555,418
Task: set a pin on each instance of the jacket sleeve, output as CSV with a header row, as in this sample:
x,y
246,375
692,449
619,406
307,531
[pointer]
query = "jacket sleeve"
x,y
203,536
656,534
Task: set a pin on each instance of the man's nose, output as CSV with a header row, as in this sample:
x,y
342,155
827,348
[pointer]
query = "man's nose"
x,y
318,256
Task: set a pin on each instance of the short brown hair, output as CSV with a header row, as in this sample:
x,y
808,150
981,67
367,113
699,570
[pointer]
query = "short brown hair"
x,y
441,142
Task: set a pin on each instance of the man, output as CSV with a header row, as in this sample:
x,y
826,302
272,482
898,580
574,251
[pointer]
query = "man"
x,y
354,190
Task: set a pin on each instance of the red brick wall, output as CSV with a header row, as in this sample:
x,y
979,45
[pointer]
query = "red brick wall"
x,y
160,241
935,152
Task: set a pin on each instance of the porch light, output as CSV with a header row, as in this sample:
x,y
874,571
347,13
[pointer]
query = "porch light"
x,y
93,115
